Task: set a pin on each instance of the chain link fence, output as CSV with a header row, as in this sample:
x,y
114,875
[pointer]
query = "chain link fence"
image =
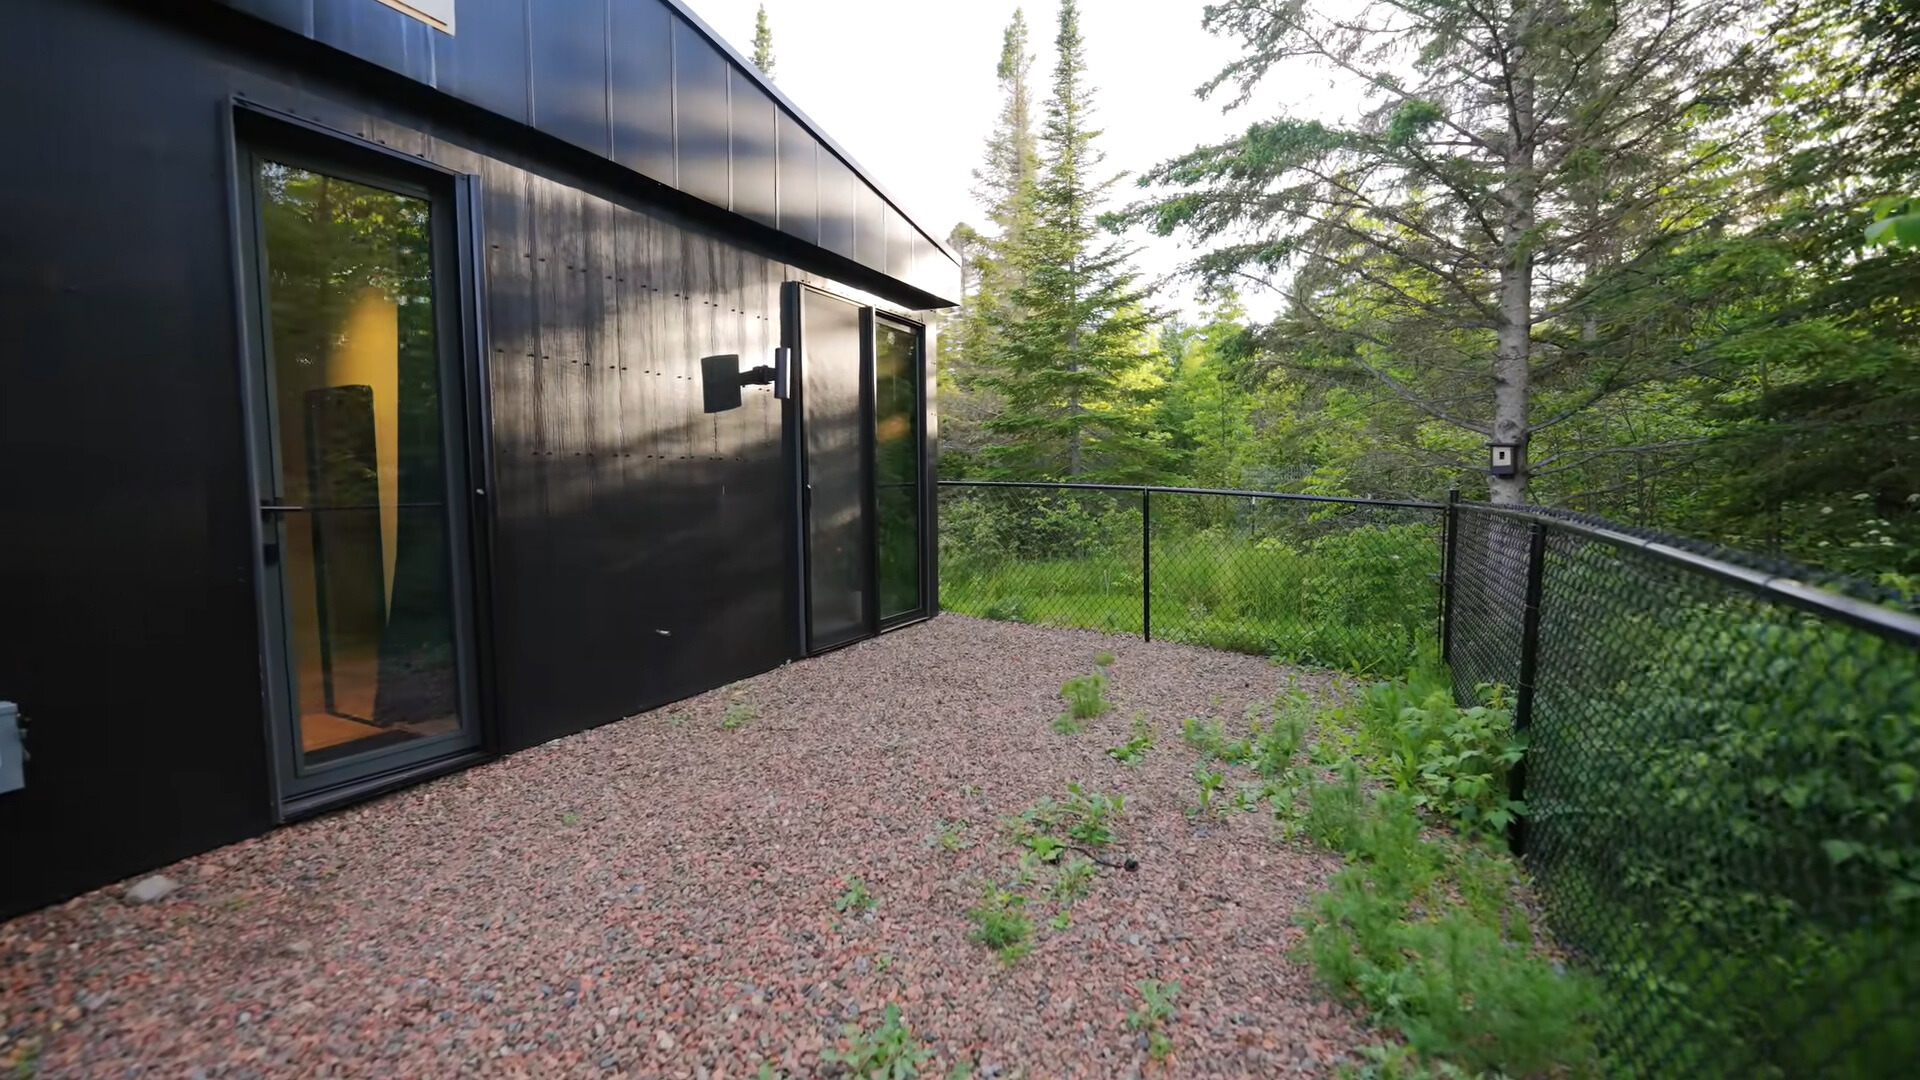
x,y
1325,582
1722,778
1720,785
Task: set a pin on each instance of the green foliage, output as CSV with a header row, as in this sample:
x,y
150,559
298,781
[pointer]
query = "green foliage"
x,y
1210,781
1000,923
763,42
738,715
1155,1010
951,836
889,1051
1076,877
1086,698
1134,750
1768,942
856,900
1452,760
1359,599
1425,934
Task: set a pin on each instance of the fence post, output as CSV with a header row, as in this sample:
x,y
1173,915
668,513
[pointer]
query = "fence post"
x,y
1529,664
1146,563
1449,528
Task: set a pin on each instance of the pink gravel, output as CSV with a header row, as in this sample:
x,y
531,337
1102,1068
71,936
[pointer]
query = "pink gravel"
x,y
655,897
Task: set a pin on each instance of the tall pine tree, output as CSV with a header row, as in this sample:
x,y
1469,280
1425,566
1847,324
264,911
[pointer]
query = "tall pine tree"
x,y
763,43
1069,347
1514,164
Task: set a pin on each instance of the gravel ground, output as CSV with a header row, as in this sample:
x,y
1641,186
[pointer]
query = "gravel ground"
x,y
656,897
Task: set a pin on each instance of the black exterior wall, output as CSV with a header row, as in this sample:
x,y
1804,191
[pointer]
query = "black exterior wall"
x,y
642,550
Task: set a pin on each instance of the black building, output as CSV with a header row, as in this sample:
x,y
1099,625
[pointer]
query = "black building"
x,y
355,400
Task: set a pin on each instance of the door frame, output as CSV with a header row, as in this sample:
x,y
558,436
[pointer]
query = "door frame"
x,y
459,311
793,337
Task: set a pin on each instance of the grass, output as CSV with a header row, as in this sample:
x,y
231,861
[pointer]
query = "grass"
x,y
1360,600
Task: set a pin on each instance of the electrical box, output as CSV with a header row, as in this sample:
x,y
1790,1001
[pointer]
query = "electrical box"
x,y
13,751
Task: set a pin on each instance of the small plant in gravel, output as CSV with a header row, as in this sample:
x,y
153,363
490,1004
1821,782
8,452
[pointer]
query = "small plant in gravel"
x,y
1061,920
1000,923
889,1051
768,1072
1134,750
1210,738
1210,781
738,715
882,962
951,836
1156,1008
1043,847
1276,747
569,819
1076,876
679,718
856,899
1086,697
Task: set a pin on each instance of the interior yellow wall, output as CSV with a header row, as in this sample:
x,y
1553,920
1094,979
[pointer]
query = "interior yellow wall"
x,y
368,354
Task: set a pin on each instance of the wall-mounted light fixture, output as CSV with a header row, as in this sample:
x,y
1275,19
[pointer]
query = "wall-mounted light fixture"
x,y
721,379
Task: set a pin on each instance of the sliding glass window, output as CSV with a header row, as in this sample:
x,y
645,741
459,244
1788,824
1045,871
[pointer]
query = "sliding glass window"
x,y
898,415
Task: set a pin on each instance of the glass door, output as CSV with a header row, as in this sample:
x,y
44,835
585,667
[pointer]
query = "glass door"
x,y
899,423
834,465
358,422
863,454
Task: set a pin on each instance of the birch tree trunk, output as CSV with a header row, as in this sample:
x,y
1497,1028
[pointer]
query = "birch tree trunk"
x,y
1519,197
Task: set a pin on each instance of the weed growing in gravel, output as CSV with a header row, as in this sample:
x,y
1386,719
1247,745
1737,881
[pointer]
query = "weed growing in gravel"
x,y
739,714
1210,738
1083,817
1000,923
1076,876
856,900
569,819
1061,920
1134,750
950,837
890,1051
768,1072
679,718
882,962
1210,781
1156,1008
1086,697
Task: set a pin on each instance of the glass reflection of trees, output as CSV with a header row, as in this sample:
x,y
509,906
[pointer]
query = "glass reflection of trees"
x,y
357,403
897,420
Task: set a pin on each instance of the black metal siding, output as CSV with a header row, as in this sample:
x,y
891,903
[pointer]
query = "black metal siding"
x,y
640,546
641,93
635,81
570,79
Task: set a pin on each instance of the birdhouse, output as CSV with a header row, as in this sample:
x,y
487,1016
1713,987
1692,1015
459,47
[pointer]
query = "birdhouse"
x,y
1503,459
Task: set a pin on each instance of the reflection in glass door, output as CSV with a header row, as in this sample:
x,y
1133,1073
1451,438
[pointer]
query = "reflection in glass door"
x,y
353,406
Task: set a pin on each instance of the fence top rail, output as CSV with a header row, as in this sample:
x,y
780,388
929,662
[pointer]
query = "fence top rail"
x,y
1887,622
1051,485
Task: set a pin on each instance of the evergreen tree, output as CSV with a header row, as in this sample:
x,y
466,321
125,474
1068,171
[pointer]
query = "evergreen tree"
x,y
763,43
1512,156
1069,359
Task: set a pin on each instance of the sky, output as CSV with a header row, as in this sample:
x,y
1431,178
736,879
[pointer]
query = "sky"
x,y
907,88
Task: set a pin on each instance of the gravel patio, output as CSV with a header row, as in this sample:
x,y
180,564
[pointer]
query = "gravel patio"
x,y
657,897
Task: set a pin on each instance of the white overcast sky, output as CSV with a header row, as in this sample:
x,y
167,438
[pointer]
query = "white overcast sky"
x,y
907,87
